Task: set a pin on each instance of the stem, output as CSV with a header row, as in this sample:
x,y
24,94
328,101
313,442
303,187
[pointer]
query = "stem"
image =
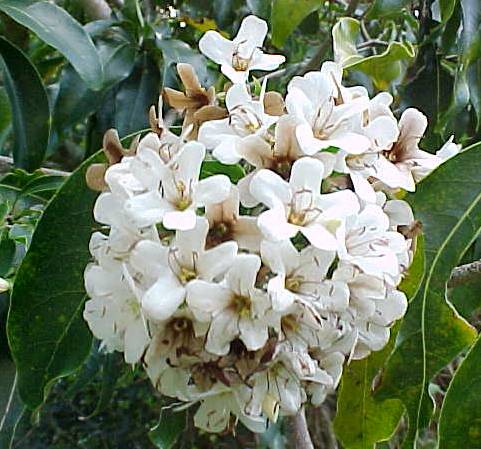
x,y
465,274
301,438
6,163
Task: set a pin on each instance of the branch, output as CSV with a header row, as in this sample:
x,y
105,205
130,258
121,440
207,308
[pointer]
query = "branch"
x,y
301,439
351,9
465,274
6,163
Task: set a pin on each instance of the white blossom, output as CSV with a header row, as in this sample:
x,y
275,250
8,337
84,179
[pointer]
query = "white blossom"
x,y
243,53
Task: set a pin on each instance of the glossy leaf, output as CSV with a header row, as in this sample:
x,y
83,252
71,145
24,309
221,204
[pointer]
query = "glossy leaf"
x,y
383,8
175,51
448,204
286,15
57,28
47,334
446,8
466,298
235,171
382,68
460,420
361,421
29,104
136,95
11,407
167,431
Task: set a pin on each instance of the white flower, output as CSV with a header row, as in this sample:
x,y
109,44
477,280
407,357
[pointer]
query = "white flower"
x,y
167,270
239,56
181,193
235,307
298,206
216,408
369,244
227,224
332,365
298,275
246,119
324,123
113,313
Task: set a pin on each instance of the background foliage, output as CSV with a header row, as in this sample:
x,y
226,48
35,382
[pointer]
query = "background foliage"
x,y
70,70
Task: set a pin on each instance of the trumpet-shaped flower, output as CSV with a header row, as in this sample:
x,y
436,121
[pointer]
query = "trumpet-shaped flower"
x,y
298,206
243,53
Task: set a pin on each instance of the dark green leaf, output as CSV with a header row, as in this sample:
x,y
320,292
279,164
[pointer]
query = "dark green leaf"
x,y
448,204
286,15
384,8
135,96
460,420
75,101
175,51
29,103
234,172
57,28
47,334
11,407
5,111
471,29
466,298
361,421
7,253
447,8
167,431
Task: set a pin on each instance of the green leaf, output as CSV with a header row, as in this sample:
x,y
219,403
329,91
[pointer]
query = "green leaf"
x,y
386,66
361,421
29,103
75,101
5,112
167,431
447,8
135,96
466,298
11,407
448,204
175,51
209,168
58,29
47,335
344,35
471,28
384,8
460,420
382,68
286,15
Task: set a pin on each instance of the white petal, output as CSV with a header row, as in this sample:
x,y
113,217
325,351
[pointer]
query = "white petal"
x,y
253,31
253,333
213,189
223,329
136,339
274,226
206,298
307,174
363,187
163,298
150,258
242,274
181,220
216,47
269,188
319,237
217,260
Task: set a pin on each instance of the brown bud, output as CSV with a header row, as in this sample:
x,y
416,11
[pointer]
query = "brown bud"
x,y
95,177
274,103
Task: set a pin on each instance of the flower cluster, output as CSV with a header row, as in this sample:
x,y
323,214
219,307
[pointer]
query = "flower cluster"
x,y
248,298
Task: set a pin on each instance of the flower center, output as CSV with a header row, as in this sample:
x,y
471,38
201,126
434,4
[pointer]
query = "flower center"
x,y
242,305
290,323
240,64
293,283
186,275
244,120
183,200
